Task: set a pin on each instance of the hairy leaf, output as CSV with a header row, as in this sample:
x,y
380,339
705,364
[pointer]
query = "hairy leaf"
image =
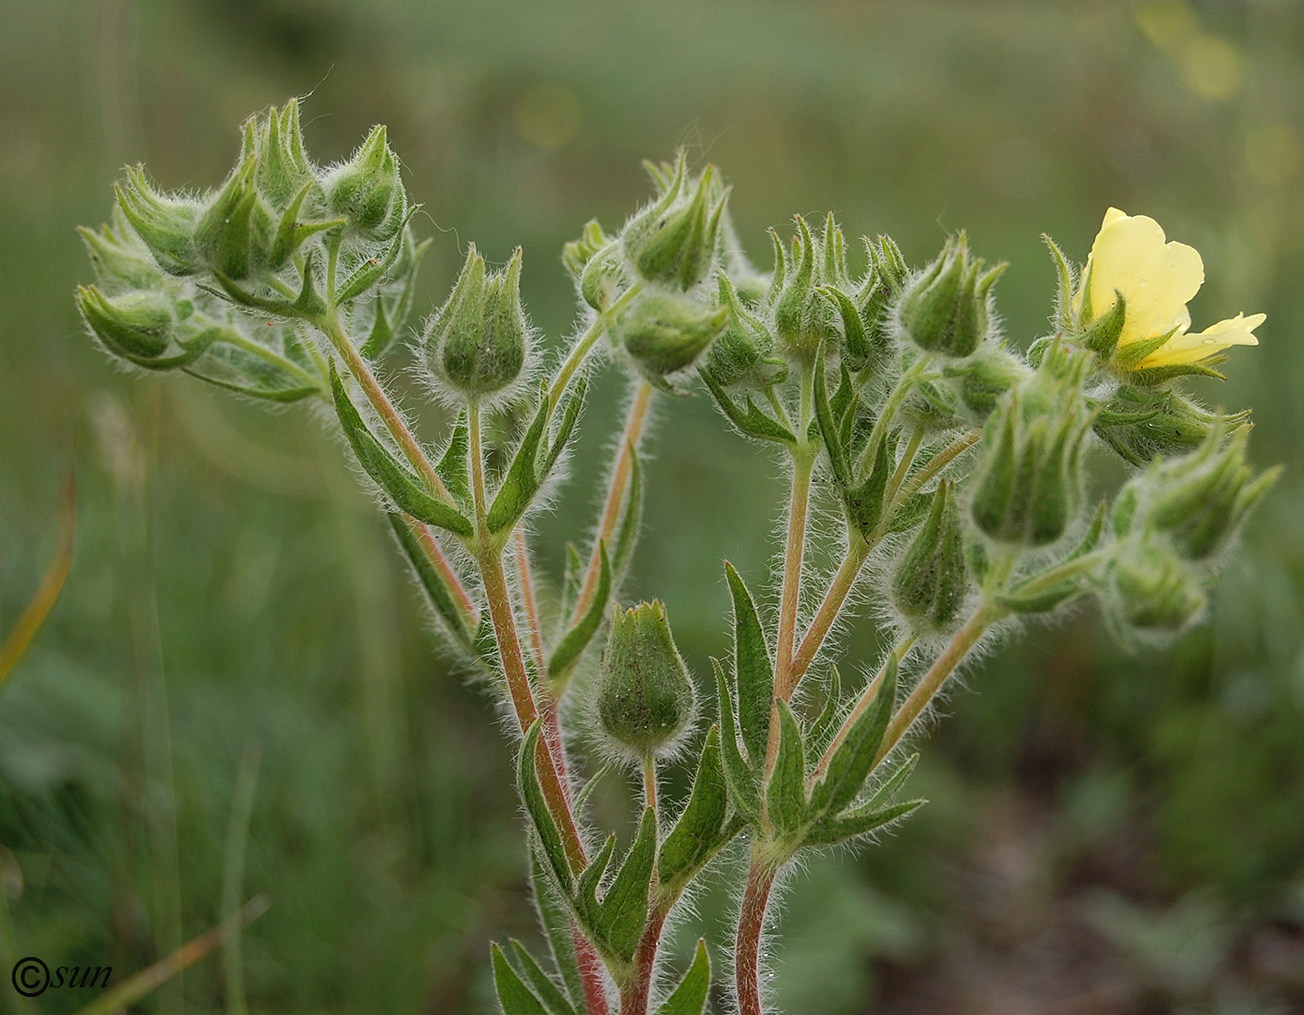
x,y
689,998
753,671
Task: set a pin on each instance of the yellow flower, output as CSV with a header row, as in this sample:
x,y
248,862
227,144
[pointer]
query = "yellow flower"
x,y
1157,278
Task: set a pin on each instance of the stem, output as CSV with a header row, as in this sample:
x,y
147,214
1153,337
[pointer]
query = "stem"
x,y
965,639
898,395
590,963
427,541
634,995
650,782
527,595
747,943
935,465
275,359
837,594
629,440
581,348
803,466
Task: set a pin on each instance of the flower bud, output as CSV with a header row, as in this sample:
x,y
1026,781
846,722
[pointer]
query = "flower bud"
x,y
1150,588
118,256
1198,500
1030,476
803,296
234,233
165,224
665,333
741,353
136,324
674,240
476,341
575,254
1139,423
931,580
947,310
282,164
594,262
368,190
645,697
983,378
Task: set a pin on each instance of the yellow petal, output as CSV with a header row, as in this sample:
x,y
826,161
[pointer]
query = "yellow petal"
x,y
1188,348
1156,277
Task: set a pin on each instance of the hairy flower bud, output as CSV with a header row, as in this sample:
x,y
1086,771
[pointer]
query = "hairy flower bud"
x,y
1150,588
368,190
645,697
674,240
1139,423
947,310
665,332
931,580
983,378
1199,500
165,224
594,262
476,341
1030,477
741,353
136,324
803,301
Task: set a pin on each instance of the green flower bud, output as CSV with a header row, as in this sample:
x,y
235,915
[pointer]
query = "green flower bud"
x,y
931,580
1150,588
674,240
596,264
803,302
932,407
1029,480
235,231
368,190
645,698
983,378
947,310
164,223
476,341
665,333
1139,423
1198,500
118,256
137,324
741,353
276,143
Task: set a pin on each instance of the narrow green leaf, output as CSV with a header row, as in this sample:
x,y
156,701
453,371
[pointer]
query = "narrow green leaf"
x,y
740,779
695,835
522,480
1043,601
750,422
555,917
527,778
858,822
822,728
1064,298
453,464
403,488
827,426
441,597
514,996
624,907
570,414
572,582
753,671
910,512
540,982
865,502
689,998
368,273
576,640
785,796
887,792
381,334
853,760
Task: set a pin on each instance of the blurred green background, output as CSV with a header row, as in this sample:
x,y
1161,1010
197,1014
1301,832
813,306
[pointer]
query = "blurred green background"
x,y
1106,833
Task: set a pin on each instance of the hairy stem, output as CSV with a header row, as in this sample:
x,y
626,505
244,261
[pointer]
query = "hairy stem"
x,y
586,342
635,423
634,995
747,942
803,465
591,981
931,682
551,720
425,538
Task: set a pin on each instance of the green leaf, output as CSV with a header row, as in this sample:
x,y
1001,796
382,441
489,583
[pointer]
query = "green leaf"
x,y
527,778
368,273
865,502
753,671
823,726
403,488
555,917
853,760
739,777
514,996
441,596
696,834
522,480
570,414
576,640
689,998
1064,298
910,512
291,233
1042,601
887,792
785,796
1134,352
540,982
750,422
616,923
1152,376
832,830
572,582
452,467
827,426
381,334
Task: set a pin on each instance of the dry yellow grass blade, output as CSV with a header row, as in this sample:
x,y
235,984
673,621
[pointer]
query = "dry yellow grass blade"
x,y
34,614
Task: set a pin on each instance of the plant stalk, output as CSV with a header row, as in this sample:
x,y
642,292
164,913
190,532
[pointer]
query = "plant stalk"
x,y
747,942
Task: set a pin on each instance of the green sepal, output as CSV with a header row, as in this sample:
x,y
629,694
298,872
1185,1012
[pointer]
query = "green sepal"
x,y
738,775
689,998
753,670
540,982
403,487
858,822
1091,538
828,428
291,233
696,835
750,422
453,463
441,597
1064,293
1134,352
555,917
617,922
1153,376
513,995
309,305
545,828
785,794
853,760
853,328
1102,335
576,640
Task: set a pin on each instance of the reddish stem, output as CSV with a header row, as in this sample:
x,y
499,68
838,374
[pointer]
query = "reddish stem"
x,y
747,945
634,997
591,981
